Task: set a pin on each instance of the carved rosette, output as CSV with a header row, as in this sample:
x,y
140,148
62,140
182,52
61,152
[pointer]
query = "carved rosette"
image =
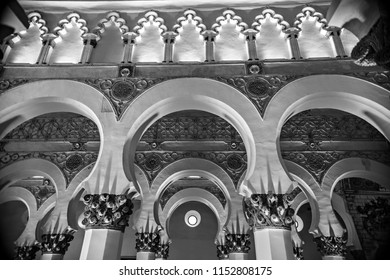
x,y
331,245
147,241
269,210
222,252
56,243
26,252
298,252
107,211
237,243
162,251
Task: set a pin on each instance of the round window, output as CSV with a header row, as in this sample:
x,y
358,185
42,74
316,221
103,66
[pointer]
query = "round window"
x,y
192,218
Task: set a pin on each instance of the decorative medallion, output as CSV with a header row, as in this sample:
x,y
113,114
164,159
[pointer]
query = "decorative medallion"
x,y
259,89
234,162
123,90
73,162
107,211
269,210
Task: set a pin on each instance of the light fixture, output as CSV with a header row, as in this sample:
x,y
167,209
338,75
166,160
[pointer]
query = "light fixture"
x,y
194,177
192,218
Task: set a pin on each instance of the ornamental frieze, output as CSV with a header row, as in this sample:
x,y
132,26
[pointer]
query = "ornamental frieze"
x,y
8,84
380,78
331,245
269,210
122,91
259,89
70,163
56,243
153,162
172,189
191,128
313,128
73,129
317,163
107,211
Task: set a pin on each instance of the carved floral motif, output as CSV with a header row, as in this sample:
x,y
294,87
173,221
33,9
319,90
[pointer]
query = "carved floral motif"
x,y
298,252
26,252
73,129
147,241
269,210
331,245
237,243
56,243
162,251
318,162
259,89
122,91
64,160
222,252
153,162
107,211
8,84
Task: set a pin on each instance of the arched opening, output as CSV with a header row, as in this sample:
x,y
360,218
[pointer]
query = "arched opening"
x,y
193,243
190,94
13,221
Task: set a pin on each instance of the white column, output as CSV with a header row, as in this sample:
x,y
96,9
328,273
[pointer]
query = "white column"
x,y
147,244
273,244
169,40
129,41
251,43
90,42
47,46
334,34
292,37
7,46
102,244
209,37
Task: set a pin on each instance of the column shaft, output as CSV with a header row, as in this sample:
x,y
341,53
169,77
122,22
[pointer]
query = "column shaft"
x,y
273,244
102,244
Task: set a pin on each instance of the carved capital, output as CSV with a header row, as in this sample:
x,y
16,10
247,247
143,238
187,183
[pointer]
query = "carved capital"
x,y
298,252
26,252
107,211
237,243
162,251
56,243
222,252
331,245
269,210
147,241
